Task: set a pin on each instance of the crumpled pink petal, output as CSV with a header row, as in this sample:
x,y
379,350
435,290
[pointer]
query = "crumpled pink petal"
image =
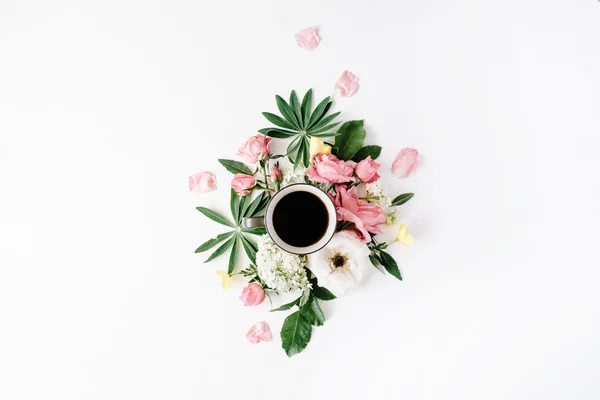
x,y
308,38
347,85
259,332
405,162
202,182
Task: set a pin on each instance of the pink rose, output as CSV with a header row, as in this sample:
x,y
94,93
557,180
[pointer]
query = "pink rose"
x,y
366,170
256,148
328,168
406,161
259,332
347,85
202,182
242,184
366,217
252,295
275,175
308,38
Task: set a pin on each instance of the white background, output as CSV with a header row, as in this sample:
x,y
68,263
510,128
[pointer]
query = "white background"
x,y
107,106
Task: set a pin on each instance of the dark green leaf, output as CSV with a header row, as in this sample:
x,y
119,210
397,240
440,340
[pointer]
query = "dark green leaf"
x,y
277,133
325,135
254,205
249,248
214,216
390,264
312,312
373,151
306,106
256,231
277,120
375,262
306,152
294,144
325,130
287,112
245,202
212,242
300,154
320,292
295,105
222,249
287,306
351,139
318,113
295,333
304,298
233,255
235,167
234,206
403,198
325,121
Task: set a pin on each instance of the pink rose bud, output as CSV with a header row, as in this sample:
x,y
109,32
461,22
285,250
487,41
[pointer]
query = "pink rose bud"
x,y
347,85
202,182
406,161
275,175
252,295
327,168
366,170
256,148
242,184
259,332
308,38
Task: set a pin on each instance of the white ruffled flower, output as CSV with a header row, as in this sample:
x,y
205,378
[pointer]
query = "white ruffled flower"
x,y
278,269
291,176
377,194
342,264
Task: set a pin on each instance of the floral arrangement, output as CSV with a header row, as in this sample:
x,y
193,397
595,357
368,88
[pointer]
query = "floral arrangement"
x,y
331,155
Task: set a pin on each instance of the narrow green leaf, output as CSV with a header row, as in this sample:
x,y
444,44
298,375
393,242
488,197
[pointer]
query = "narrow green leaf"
x,y
366,151
234,206
212,242
306,106
235,167
222,249
300,154
277,120
295,105
312,312
256,231
233,255
287,112
306,153
320,292
318,113
277,133
214,216
375,262
294,144
351,139
403,198
389,264
325,121
325,129
287,306
262,207
295,333
250,248
245,202
325,135
254,205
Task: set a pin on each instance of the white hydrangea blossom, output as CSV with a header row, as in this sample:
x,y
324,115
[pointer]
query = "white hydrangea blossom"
x,y
291,177
278,269
377,194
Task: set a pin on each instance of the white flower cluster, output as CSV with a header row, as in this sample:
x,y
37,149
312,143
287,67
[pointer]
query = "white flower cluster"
x,y
278,269
291,177
377,194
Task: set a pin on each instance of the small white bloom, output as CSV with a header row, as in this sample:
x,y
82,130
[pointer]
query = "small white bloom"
x,y
291,176
278,269
342,264
377,194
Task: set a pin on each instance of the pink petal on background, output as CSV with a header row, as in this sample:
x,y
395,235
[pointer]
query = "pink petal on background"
x,y
406,161
347,85
259,332
308,38
202,182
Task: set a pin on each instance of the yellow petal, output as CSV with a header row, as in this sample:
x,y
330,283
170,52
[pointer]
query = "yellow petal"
x,y
402,231
407,240
317,146
225,279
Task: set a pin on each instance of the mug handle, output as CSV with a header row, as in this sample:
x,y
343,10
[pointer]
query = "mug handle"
x,y
253,222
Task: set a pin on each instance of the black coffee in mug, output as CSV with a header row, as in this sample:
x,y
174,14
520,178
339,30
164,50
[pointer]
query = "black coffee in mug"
x,y
300,219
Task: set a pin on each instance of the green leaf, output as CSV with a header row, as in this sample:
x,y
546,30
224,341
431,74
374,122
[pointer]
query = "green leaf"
x,y
221,249
287,112
351,139
256,231
287,306
317,128
325,135
306,153
277,120
312,312
214,216
295,333
250,248
304,298
390,264
320,292
294,144
234,206
403,198
253,205
243,208
233,255
325,130
277,133
306,106
373,151
319,112
375,262
212,242
300,154
296,107
235,167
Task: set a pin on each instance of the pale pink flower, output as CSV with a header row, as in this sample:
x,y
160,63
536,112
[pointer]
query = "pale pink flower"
x,y
256,148
308,38
366,170
275,175
347,85
202,182
252,295
259,332
242,184
365,216
327,168
406,161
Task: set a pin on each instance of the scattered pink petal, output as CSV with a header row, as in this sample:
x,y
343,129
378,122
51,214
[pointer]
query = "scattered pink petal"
x,y
347,85
252,295
202,182
406,161
259,332
308,38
